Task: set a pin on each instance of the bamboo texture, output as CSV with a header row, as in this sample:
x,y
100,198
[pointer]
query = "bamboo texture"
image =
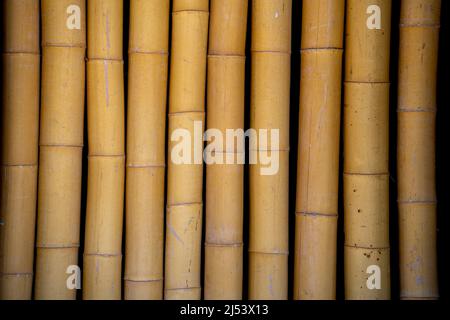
x,y
224,181
19,158
366,150
185,180
318,158
419,42
146,133
61,144
106,161
269,110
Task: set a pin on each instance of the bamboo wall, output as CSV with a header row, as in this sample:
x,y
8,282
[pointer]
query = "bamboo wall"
x,y
343,216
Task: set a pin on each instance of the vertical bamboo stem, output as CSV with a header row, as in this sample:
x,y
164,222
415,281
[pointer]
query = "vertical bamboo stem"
x,y
419,42
19,158
318,159
224,181
147,91
61,144
366,150
185,181
269,194
106,166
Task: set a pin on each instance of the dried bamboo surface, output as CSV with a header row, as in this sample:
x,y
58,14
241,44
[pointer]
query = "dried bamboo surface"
x,y
269,110
61,144
19,154
102,275
366,150
419,42
318,158
185,180
224,181
146,133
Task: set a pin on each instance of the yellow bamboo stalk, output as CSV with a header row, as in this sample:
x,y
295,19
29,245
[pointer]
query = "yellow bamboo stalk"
x,y
366,150
61,144
185,181
19,156
318,159
269,194
106,166
147,88
419,42
224,181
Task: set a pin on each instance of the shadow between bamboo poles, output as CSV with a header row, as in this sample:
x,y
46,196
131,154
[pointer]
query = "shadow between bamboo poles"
x,y
270,92
146,133
224,182
106,163
366,150
19,161
318,159
185,181
61,144
419,42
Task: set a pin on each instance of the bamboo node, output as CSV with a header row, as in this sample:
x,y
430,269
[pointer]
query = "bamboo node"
x,y
327,215
137,51
63,45
321,49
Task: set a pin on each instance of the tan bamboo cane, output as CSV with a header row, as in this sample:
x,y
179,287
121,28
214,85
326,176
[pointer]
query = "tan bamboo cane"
x,y
147,90
269,194
318,158
19,159
419,42
366,150
224,180
61,144
185,179
106,166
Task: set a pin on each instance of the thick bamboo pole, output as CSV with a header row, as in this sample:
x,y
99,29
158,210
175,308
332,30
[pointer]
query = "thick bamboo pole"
x,y
224,181
269,194
366,150
147,91
419,42
19,158
185,179
318,158
61,144
106,166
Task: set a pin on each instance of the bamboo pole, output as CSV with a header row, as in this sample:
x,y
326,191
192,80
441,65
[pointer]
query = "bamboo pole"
x,y
19,158
106,164
318,159
419,42
366,150
61,145
185,180
147,90
224,181
269,194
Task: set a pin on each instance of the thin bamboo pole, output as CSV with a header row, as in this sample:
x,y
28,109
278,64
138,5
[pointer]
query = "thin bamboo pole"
x,y
419,42
106,164
61,145
318,159
224,181
185,181
147,91
19,158
366,150
269,194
